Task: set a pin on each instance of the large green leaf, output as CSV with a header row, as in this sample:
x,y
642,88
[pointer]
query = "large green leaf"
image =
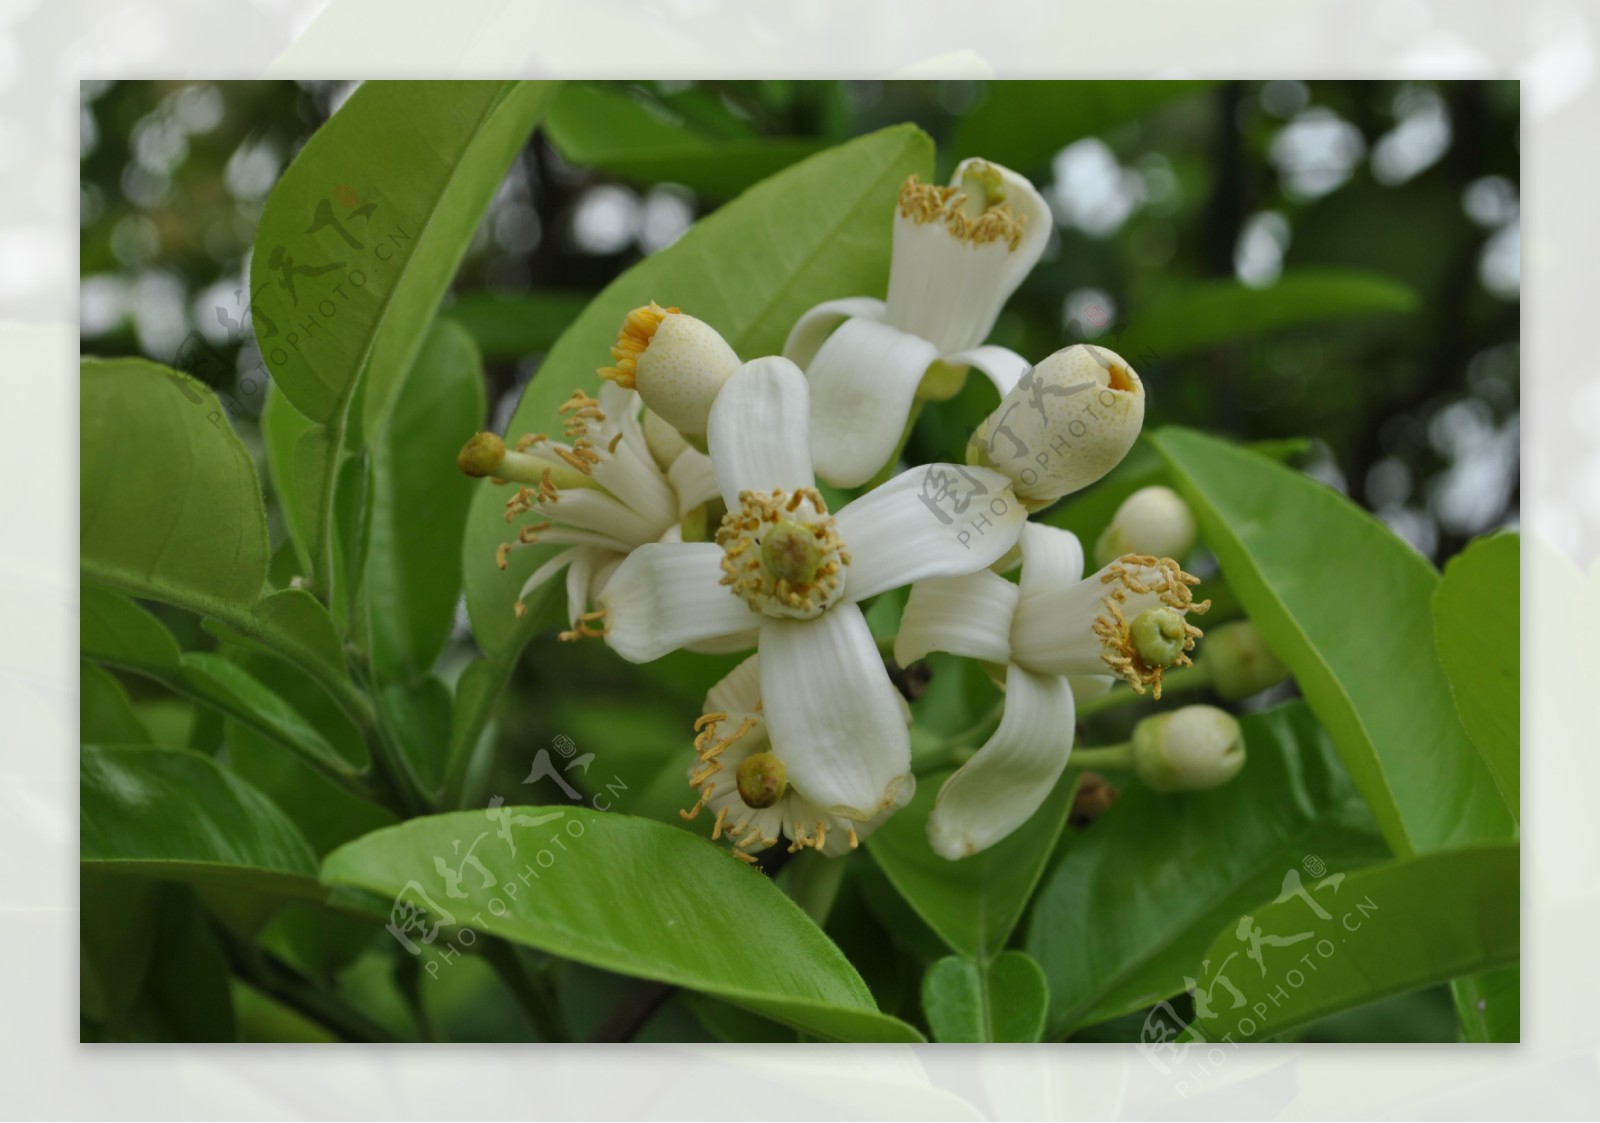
x,y
174,814
1023,124
104,712
1133,903
625,895
973,904
357,246
168,504
1208,313
1489,1005
419,505
1326,945
1004,1000
1347,606
1477,622
607,128
510,326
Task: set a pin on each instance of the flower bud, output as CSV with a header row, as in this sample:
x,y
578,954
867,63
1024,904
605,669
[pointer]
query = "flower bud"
x,y
1189,749
1066,423
1240,662
1154,521
676,362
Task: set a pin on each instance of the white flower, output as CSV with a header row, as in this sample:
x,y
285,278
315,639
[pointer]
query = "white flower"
x,y
601,494
788,569
1153,520
742,778
959,253
1057,635
1067,422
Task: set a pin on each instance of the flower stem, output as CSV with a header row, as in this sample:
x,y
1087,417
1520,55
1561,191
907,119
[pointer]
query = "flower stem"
x,y
1108,758
1184,678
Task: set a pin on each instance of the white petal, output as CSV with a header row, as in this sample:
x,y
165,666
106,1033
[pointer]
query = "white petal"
x,y
694,479
1004,368
726,645
1050,557
832,713
1001,787
557,562
587,508
937,520
813,328
580,577
667,596
758,433
862,385
739,691
969,615
1025,201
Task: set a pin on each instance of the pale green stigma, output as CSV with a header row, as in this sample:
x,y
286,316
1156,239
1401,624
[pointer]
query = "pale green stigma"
x,y
790,552
1158,636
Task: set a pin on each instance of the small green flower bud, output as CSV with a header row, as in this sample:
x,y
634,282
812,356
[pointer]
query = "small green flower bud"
x,y
1153,521
1240,662
1189,749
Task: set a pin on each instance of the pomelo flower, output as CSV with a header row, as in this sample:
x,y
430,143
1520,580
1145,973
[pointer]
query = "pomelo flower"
x,y
742,779
959,253
1058,635
786,568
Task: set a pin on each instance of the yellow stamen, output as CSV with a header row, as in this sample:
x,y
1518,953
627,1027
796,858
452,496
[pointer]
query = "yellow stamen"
x,y
632,341
972,220
1171,585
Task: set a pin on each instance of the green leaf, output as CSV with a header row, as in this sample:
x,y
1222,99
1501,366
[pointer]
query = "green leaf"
x,y
1023,124
823,227
419,712
1477,623
1003,1001
169,507
1343,942
419,505
1204,314
610,129
973,904
105,714
625,895
294,470
511,326
178,815
1346,605
112,629
1489,1005
237,692
1137,898
300,629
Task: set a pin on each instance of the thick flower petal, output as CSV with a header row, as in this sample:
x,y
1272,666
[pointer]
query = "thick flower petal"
x,y
832,713
813,328
1003,367
758,432
938,520
666,596
739,691
694,479
1051,557
1001,787
968,615
862,385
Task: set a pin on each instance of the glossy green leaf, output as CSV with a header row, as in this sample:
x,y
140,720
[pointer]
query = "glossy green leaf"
x,y
1135,900
1004,1000
1477,624
299,628
1023,124
607,128
174,814
419,712
105,715
169,507
1346,605
419,505
112,629
973,904
509,326
282,429
1205,314
1324,945
1489,1005
219,680
673,908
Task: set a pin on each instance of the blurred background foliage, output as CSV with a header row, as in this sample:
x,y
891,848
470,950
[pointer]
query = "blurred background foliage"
x,y
1335,261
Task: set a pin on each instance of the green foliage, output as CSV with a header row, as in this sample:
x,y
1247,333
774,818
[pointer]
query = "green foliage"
x,y
1004,1000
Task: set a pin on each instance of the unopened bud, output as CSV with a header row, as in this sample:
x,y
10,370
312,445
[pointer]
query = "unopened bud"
x,y
1153,521
1189,749
1239,661
676,362
1069,421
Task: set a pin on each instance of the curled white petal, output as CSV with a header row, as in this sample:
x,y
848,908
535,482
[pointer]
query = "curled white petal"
x,y
968,615
759,430
931,521
809,332
694,478
862,384
1003,367
668,595
1051,557
737,691
1001,787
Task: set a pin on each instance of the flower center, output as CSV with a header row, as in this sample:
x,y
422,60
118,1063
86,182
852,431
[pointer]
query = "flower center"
x,y
782,553
632,341
1157,638
761,780
975,210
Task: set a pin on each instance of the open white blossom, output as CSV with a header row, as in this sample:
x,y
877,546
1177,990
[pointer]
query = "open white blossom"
x,y
743,781
788,569
1059,636
959,253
